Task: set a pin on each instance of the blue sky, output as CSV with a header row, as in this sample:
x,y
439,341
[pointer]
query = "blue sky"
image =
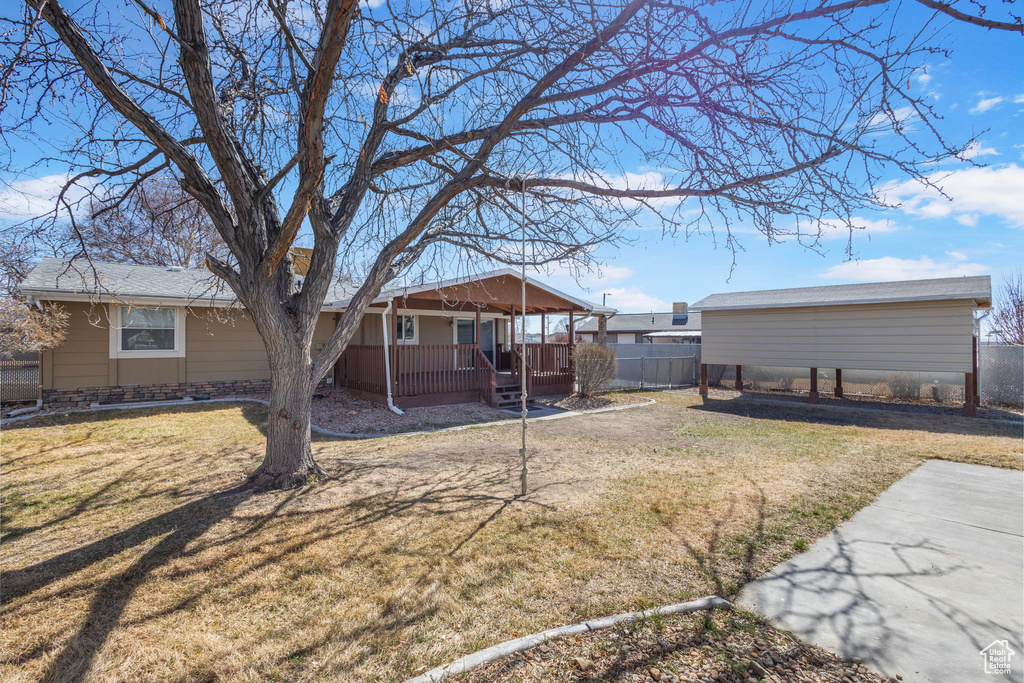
x,y
979,90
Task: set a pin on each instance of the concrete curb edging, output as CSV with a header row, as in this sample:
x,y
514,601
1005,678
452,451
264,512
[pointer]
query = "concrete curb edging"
x,y
509,647
328,432
801,404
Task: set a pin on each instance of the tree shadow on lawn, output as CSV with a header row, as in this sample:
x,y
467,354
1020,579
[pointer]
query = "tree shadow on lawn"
x,y
842,416
180,533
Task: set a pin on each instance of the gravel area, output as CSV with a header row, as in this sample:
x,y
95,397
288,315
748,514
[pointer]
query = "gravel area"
x,y
340,411
579,403
726,647
991,412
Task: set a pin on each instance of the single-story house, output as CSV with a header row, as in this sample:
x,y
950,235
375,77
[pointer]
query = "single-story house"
x,y
152,332
924,325
682,326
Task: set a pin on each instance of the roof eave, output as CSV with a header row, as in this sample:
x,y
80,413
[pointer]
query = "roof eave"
x,y
978,302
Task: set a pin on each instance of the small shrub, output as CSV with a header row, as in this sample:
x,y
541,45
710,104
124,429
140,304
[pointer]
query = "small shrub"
x,y
595,368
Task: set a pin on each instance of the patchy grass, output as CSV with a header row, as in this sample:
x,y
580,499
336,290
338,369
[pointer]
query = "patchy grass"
x,y
129,553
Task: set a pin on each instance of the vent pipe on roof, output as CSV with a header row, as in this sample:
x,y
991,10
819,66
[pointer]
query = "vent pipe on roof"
x,y
679,313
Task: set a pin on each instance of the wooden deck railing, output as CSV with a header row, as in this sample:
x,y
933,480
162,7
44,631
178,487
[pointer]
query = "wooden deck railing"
x,y
424,369
362,368
522,371
436,369
551,363
486,378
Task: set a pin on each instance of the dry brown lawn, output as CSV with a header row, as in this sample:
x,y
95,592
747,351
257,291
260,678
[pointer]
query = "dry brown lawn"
x,y
129,554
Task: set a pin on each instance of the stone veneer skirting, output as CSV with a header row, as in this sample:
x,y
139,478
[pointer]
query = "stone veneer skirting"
x,y
84,396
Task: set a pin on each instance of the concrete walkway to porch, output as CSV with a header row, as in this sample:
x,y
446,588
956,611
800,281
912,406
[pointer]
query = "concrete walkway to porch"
x,y
918,583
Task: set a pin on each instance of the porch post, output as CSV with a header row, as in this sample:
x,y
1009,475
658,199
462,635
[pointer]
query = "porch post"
x,y
739,378
703,390
512,330
974,370
476,328
813,397
572,347
543,328
839,383
394,347
970,410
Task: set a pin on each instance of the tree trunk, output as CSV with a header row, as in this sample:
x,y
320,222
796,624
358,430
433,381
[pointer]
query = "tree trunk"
x,y
289,459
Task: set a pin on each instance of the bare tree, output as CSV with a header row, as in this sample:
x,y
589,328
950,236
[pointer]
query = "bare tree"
x,y
157,224
24,328
394,135
1008,318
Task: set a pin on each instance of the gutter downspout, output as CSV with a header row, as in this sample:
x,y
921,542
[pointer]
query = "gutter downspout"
x,y
387,360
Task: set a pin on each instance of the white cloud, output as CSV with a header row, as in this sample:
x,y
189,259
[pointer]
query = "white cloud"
x,y
957,255
972,193
634,300
975,150
24,199
986,103
900,115
893,268
1019,99
567,275
837,229
923,77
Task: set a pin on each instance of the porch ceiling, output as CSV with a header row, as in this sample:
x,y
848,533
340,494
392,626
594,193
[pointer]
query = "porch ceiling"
x,y
493,294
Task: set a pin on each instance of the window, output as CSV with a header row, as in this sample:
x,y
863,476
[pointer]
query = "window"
x,y
406,329
143,332
465,331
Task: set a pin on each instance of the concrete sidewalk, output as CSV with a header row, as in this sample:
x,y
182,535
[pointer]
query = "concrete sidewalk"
x,y
918,583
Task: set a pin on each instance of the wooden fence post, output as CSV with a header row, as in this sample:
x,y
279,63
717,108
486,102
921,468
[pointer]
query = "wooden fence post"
x,y
813,397
703,379
839,384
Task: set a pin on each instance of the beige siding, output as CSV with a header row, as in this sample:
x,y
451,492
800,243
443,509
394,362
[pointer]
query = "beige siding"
x,y
435,329
147,371
931,335
83,359
227,347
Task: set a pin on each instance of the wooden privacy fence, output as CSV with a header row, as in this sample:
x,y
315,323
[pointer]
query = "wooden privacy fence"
x,y
19,378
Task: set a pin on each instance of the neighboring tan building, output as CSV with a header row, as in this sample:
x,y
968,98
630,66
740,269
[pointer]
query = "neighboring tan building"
x,y
925,325
152,332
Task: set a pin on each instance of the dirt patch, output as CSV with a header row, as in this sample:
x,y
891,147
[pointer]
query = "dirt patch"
x,y
724,647
579,403
990,412
340,411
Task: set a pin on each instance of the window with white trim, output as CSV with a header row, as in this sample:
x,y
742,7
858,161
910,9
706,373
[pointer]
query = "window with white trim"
x,y
406,329
147,332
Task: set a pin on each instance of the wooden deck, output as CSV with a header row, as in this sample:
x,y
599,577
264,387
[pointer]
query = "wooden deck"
x,y
439,374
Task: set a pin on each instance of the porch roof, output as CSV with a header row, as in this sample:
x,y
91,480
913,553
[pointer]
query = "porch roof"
x,y
493,291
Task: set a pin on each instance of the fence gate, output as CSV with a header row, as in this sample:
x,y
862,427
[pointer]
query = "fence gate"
x,y
19,378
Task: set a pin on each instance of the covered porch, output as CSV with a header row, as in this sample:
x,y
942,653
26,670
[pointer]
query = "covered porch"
x,y
484,360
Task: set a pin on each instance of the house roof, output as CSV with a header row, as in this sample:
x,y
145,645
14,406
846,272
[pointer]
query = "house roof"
x,y
977,288
675,333
64,279
643,322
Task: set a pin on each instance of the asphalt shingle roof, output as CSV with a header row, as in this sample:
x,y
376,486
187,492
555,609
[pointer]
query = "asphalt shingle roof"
x,y
978,288
642,322
128,281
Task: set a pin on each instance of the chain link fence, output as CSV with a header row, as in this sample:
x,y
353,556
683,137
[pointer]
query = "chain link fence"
x,y
1000,370
655,366
19,378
